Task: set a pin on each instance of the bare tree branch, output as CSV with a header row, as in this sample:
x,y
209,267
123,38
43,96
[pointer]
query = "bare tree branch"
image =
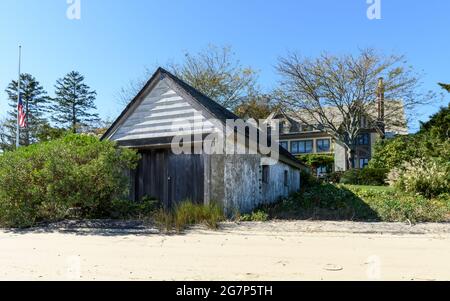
x,y
338,93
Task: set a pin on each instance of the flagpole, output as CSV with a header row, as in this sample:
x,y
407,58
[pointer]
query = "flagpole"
x,y
18,101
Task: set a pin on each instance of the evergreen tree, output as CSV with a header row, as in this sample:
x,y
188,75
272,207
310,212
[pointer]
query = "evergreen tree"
x,y
445,86
74,103
35,101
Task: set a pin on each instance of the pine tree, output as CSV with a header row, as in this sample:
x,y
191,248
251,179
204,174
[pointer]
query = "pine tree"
x,y
445,86
35,101
74,103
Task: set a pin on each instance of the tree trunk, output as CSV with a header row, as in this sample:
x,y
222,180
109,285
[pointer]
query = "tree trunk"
x,y
74,120
351,157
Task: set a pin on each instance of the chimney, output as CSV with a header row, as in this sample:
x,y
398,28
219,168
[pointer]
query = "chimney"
x,y
380,104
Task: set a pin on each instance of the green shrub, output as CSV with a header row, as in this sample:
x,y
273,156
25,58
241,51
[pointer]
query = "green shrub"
x,y
125,209
431,142
395,206
335,177
317,160
360,203
366,176
187,214
257,216
393,152
428,177
307,179
75,176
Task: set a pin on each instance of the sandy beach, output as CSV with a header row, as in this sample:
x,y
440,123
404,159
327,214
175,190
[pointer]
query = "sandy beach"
x,y
248,251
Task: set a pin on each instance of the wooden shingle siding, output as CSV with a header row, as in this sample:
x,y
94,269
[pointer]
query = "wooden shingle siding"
x,y
163,113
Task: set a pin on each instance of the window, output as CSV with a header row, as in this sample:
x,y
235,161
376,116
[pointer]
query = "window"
x,y
323,145
265,174
302,147
307,128
284,144
363,163
363,139
322,170
285,127
286,178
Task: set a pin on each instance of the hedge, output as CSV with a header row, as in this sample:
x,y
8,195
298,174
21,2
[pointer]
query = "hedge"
x,y
75,176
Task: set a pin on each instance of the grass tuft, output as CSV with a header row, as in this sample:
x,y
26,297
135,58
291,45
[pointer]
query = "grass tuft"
x,y
188,214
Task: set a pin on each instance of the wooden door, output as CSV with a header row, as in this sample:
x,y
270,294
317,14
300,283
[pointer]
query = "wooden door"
x,y
169,178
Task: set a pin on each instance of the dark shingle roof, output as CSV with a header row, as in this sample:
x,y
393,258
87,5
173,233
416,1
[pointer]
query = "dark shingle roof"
x,y
218,111
213,107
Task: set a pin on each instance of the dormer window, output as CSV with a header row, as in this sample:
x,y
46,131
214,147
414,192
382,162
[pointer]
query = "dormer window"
x,y
285,127
307,128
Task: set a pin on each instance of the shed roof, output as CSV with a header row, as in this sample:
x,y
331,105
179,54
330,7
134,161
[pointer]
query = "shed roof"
x,y
213,108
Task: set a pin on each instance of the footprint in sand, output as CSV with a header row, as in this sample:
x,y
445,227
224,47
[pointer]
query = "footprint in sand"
x,y
283,263
333,268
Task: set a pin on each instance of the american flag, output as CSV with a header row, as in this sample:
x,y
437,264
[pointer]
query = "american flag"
x,y
21,115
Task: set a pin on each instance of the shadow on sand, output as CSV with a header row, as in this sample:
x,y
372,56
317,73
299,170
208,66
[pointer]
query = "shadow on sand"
x,y
94,228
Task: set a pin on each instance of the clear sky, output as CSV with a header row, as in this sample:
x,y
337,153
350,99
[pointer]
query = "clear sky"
x,y
115,40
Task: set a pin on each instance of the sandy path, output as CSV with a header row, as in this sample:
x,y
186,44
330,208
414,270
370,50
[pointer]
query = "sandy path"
x,y
272,251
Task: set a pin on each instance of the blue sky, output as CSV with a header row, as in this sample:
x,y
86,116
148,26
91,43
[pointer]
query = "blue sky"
x,y
115,40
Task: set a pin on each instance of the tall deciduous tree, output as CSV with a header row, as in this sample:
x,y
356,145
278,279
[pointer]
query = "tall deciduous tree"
x,y
74,105
257,107
339,93
35,101
217,73
214,71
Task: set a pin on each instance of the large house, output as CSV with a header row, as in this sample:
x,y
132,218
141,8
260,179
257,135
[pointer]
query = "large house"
x,y
302,138
157,115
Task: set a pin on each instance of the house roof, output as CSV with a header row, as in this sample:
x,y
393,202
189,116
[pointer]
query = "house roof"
x,y
394,113
213,108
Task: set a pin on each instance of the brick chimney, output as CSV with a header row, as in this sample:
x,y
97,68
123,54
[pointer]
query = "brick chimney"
x,y
381,107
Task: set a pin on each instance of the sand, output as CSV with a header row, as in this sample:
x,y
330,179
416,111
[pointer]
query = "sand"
x,y
249,251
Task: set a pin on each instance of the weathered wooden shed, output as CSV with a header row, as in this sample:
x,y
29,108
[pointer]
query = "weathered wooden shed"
x,y
239,182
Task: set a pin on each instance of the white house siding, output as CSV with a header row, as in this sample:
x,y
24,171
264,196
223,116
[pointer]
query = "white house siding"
x,y
340,157
163,113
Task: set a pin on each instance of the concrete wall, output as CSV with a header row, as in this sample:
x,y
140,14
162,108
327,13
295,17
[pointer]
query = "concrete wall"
x,y
276,188
236,180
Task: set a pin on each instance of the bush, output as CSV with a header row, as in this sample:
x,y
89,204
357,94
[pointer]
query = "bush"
x,y
393,152
307,179
431,142
360,203
187,214
257,216
335,177
428,177
395,206
75,176
125,209
317,160
366,176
